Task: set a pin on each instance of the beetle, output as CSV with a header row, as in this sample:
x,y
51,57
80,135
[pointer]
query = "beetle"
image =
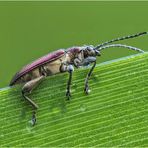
x,y
63,60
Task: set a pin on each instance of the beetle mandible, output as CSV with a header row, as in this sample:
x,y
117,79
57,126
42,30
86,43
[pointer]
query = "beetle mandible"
x,y
63,61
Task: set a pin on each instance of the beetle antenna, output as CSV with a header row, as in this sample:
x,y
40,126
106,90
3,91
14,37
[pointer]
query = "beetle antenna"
x,y
121,45
122,38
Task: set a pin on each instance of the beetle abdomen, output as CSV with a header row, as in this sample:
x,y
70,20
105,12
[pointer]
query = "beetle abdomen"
x,y
37,63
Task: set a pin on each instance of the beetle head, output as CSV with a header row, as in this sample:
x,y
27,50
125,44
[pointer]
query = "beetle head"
x,y
91,51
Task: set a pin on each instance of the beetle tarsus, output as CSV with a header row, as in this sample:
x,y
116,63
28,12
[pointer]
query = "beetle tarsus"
x,y
68,95
33,118
86,89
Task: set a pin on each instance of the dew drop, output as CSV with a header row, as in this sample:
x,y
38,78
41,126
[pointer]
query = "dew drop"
x,y
1,135
82,107
129,91
89,91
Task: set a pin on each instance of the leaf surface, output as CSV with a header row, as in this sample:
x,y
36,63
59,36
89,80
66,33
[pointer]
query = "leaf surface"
x,y
115,113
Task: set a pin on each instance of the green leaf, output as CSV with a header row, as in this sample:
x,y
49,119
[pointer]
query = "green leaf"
x,y
115,113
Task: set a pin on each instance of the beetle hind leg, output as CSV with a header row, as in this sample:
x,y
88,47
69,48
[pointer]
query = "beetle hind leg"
x,y
27,89
34,106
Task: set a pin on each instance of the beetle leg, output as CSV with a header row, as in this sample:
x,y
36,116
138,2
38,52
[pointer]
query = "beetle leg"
x,y
77,62
70,69
84,62
89,60
27,89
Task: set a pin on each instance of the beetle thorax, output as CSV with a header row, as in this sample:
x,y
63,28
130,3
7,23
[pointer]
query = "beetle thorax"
x,y
73,52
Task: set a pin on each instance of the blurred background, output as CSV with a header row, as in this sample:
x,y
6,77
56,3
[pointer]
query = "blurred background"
x,y
29,30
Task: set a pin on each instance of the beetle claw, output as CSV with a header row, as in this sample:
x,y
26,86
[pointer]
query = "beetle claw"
x,y
33,119
68,95
87,90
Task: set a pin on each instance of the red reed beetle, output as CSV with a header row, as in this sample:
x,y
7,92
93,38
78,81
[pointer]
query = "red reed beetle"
x,y
63,61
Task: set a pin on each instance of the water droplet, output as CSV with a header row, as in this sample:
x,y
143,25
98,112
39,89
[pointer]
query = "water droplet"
x,y
82,107
1,135
129,91
89,91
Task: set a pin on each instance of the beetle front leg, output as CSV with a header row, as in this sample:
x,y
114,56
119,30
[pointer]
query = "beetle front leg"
x,y
70,69
27,89
89,60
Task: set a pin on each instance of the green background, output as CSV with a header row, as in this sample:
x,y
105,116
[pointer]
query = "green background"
x,y
29,30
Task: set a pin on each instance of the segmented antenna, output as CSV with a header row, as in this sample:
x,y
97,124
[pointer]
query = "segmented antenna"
x,y
121,45
122,38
